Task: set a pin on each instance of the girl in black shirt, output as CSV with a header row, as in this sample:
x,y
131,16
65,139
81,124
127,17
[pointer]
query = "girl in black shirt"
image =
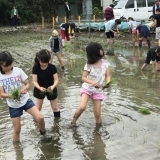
x,y
45,80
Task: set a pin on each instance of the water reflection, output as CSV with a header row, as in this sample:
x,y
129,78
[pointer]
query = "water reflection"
x,y
17,146
51,146
93,147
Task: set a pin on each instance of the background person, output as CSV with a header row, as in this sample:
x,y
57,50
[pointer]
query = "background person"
x,y
155,6
133,26
14,16
108,13
111,29
154,56
55,43
157,24
67,10
143,32
64,32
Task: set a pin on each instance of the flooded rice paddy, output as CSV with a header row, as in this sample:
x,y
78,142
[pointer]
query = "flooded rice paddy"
x,y
132,135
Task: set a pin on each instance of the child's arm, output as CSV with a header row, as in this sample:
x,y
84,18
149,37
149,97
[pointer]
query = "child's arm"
x,y
3,94
153,66
26,86
56,81
85,79
35,82
155,22
108,78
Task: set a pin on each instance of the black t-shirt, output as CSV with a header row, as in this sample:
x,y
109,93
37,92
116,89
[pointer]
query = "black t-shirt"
x,y
157,17
152,53
45,77
56,43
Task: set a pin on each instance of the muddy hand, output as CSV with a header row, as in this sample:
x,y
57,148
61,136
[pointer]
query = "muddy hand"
x,y
42,89
106,86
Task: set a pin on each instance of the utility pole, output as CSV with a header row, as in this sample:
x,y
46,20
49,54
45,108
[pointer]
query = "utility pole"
x,y
87,9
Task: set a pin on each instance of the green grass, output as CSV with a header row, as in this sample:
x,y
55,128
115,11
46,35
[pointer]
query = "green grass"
x,y
144,111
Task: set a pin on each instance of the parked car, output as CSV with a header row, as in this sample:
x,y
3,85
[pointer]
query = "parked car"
x,y
138,9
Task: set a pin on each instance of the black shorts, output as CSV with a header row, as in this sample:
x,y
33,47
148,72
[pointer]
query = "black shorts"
x,y
149,58
110,34
41,95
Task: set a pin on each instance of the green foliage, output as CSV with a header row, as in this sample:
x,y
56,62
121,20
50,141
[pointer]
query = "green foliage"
x,y
97,12
32,10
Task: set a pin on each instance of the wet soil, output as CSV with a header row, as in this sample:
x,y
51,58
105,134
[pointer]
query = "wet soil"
x,y
132,135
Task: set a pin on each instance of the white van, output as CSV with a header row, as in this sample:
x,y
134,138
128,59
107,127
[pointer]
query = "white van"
x,y
138,9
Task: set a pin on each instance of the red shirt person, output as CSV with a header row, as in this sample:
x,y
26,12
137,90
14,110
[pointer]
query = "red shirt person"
x,y
109,14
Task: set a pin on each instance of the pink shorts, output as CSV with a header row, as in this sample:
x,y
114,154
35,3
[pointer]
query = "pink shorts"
x,y
134,31
95,96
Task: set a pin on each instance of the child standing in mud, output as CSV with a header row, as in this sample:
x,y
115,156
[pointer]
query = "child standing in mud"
x,y
55,43
14,79
45,80
96,72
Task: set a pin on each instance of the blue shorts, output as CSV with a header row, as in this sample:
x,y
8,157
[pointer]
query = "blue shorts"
x,y
56,50
17,112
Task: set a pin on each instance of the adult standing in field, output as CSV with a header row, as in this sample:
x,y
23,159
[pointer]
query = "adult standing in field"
x,y
111,29
109,14
67,10
143,32
155,6
157,24
14,16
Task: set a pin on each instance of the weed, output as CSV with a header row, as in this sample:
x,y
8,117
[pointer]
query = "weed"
x,y
144,111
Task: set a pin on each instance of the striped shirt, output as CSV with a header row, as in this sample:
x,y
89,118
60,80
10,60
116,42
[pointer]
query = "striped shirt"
x,y
109,13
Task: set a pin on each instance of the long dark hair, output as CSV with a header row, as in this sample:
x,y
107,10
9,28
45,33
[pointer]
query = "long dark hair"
x,y
118,21
130,18
93,52
43,56
5,57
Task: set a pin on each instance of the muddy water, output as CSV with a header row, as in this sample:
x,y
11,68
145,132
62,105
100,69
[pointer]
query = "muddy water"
x,y
132,135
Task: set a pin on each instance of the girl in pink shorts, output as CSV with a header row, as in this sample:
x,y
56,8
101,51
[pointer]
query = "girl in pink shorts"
x,y
133,26
96,73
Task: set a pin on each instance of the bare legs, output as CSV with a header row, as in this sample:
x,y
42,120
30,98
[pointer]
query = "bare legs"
x,y
54,106
17,124
134,37
16,128
141,39
82,107
110,40
59,57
